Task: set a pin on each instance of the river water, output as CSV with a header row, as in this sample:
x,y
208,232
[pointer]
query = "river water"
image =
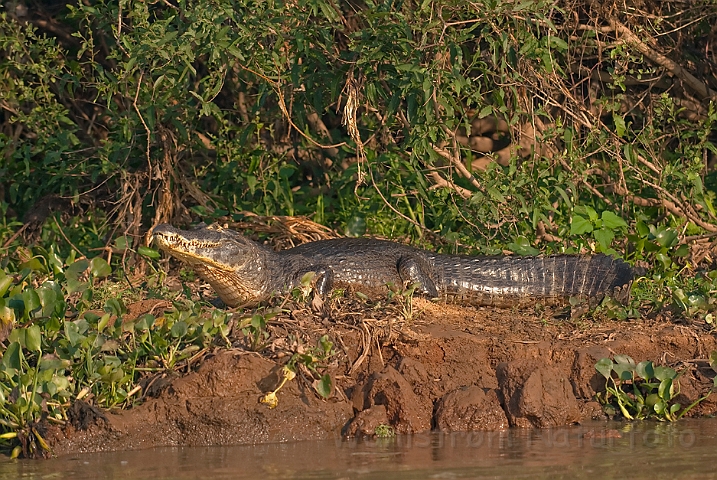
x,y
687,449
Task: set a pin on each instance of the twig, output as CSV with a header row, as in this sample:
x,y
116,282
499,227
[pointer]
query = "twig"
x,y
440,182
701,88
67,239
456,162
395,210
15,235
282,105
146,128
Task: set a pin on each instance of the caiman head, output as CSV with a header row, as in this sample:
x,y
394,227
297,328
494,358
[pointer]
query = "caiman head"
x,y
232,264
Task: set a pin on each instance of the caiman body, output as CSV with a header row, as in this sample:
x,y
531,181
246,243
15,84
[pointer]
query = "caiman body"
x,y
245,272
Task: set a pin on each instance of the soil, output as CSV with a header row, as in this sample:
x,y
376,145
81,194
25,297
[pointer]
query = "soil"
x,y
445,368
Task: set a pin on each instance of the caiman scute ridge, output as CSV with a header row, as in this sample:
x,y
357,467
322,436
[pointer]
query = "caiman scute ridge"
x,y
244,272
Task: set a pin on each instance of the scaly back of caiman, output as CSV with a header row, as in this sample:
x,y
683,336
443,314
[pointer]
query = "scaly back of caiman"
x,y
244,272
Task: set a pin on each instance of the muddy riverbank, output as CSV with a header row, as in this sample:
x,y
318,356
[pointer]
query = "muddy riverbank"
x,y
444,368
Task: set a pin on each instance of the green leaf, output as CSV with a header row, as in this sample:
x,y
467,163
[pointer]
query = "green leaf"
x,y
652,399
74,271
645,370
145,322
258,321
115,307
31,300
52,362
604,237
148,252
12,358
99,267
74,285
5,282
124,242
665,389
485,111
592,214
580,225
324,386
48,300
626,359
610,220
604,367
72,333
103,322
34,264
522,246
33,338
624,371
620,127
179,329
664,373
496,195
666,237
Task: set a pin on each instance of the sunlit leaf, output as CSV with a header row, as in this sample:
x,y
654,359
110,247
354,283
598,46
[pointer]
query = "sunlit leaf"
x,y
31,300
645,370
580,225
665,389
148,252
7,321
33,338
99,267
324,386
5,282
12,357
610,220
604,367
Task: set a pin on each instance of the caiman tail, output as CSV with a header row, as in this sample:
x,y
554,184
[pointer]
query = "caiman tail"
x,y
516,281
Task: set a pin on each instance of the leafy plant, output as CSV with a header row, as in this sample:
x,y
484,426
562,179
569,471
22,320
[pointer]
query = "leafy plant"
x,y
56,353
254,330
384,431
314,362
404,298
640,390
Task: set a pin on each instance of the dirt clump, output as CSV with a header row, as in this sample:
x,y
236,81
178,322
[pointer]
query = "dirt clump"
x,y
470,408
536,395
405,411
446,368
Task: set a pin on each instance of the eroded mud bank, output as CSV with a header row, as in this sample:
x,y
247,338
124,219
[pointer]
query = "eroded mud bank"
x,y
450,369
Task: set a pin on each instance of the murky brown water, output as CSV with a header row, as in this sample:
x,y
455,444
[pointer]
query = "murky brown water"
x,y
642,450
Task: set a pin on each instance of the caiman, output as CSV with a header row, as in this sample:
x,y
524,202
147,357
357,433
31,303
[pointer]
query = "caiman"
x,y
244,272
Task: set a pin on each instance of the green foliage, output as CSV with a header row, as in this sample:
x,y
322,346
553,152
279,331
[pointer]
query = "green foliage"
x,y
195,102
384,431
640,390
603,228
57,352
315,360
254,329
404,298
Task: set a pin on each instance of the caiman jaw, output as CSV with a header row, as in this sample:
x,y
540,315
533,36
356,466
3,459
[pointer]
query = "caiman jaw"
x,y
218,256
188,249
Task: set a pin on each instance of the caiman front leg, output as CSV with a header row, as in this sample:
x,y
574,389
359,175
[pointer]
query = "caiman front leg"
x,y
416,270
